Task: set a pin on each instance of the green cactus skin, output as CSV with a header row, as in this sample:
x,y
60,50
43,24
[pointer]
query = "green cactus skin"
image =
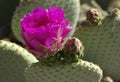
x,y
81,71
13,62
102,43
71,7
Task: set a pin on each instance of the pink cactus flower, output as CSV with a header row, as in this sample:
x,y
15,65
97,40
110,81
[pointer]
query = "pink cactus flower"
x,y
44,31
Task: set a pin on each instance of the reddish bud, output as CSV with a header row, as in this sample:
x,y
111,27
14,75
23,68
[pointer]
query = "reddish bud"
x,y
73,45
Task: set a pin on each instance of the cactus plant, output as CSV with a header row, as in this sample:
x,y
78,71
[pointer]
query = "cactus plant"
x,y
81,71
60,66
13,62
101,42
71,7
16,64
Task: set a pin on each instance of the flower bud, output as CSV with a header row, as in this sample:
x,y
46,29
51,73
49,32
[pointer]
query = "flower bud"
x,y
74,46
93,15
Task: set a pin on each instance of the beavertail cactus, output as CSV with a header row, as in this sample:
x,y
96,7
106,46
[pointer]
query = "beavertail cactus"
x,y
60,66
16,64
71,8
102,43
44,32
13,62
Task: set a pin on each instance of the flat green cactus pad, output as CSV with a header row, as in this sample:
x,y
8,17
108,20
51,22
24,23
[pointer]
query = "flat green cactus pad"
x,y
102,44
71,8
82,71
13,62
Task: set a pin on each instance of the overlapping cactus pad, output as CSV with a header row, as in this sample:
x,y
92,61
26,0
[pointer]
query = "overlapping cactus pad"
x,y
81,71
102,44
13,62
17,65
71,8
